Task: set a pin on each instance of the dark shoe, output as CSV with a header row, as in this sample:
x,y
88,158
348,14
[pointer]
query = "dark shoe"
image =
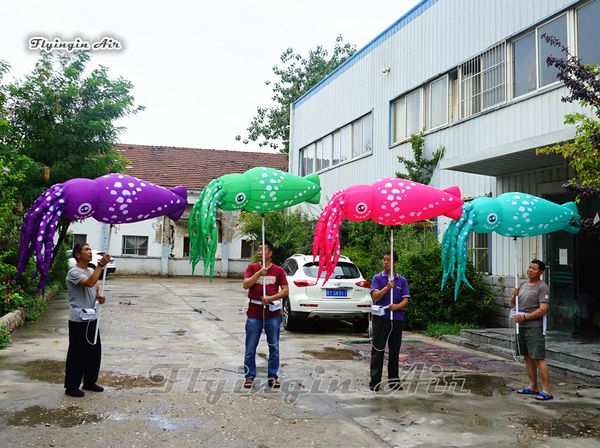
x,y
74,393
248,382
274,384
374,387
93,387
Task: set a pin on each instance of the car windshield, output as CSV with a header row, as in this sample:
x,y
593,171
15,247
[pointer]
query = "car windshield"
x,y
342,270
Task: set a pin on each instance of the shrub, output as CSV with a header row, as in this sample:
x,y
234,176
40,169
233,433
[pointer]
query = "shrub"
x,y
4,337
419,261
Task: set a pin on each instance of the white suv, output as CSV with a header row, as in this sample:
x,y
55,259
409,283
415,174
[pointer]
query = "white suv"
x,y
345,296
96,256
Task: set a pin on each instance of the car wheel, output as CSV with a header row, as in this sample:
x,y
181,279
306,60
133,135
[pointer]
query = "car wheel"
x,y
361,325
288,322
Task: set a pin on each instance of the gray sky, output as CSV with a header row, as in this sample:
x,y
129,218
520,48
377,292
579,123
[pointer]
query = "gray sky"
x,y
199,67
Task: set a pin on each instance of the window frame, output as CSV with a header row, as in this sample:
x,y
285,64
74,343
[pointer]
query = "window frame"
x,y
569,22
329,142
137,245
483,254
428,103
574,35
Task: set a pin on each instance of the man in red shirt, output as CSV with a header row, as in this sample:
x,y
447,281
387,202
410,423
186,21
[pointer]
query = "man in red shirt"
x,y
259,314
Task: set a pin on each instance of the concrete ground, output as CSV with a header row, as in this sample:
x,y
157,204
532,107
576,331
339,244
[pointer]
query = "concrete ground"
x,y
172,355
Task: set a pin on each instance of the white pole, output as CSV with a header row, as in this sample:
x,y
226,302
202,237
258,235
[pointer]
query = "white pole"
x,y
102,285
264,285
392,271
516,283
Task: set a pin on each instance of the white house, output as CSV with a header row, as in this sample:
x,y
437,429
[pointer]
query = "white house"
x,y
473,75
160,245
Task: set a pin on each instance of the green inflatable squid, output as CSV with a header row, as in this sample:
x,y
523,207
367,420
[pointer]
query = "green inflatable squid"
x,y
258,190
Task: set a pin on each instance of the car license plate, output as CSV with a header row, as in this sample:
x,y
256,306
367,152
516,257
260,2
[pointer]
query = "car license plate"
x,y
336,293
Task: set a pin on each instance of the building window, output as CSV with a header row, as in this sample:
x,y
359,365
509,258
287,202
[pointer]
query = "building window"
x,y
482,81
406,116
362,135
436,103
319,155
135,245
79,238
345,137
413,113
351,141
367,127
558,29
327,149
479,251
399,120
523,55
357,138
186,246
249,248
529,54
306,159
588,33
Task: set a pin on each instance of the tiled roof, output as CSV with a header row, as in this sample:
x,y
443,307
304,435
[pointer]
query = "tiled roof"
x,y
192,167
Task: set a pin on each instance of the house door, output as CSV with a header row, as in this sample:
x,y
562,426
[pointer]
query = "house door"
x,y
560,275
587,322
573,263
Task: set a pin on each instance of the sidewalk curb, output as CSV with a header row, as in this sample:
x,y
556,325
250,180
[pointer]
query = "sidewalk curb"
x,y
13,320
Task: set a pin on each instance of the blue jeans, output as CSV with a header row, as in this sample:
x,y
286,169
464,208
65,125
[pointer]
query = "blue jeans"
x,y
253,332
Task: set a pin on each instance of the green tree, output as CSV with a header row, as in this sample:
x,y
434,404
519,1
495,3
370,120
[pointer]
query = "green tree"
x,y
583,153
271,125
290,232
56,123
62,118
420,169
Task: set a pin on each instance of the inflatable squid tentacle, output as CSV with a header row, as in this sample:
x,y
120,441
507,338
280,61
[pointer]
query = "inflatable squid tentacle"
x,y
31,224
211,240
449,251
200,224
327,236
462,244
193,231
48,250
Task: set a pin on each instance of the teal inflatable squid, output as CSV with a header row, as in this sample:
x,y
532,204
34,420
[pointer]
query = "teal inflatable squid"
x,y
510,214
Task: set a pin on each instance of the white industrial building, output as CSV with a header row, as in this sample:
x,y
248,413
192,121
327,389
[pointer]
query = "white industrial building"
x,y
472,74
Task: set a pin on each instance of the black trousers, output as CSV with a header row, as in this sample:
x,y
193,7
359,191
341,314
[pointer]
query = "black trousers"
x,y
83,358
382,328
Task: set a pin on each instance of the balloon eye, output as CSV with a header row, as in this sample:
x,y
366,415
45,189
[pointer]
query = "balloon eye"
x,y
240,198
84,208
492,218
361,208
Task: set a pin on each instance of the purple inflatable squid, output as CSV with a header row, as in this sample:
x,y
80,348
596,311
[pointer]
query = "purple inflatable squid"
x,y
110,199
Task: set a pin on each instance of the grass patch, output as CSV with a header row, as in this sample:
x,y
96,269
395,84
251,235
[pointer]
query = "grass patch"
x,y
4,337
437,329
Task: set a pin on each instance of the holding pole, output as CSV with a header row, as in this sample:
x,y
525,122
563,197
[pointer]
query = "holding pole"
x,y
264,286
392,271
516,283
102,286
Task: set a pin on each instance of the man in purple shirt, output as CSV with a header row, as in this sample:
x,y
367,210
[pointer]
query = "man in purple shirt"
x,y
387,329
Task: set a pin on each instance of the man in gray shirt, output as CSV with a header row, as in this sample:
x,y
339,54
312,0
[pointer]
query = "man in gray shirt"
x,y
534,297
83,356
